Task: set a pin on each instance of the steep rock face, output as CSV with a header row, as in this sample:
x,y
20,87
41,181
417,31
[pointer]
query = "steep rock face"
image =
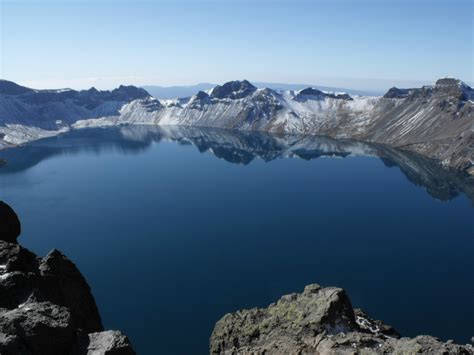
x,y
437,122
426,114
321,321
63,284
46,307
45,303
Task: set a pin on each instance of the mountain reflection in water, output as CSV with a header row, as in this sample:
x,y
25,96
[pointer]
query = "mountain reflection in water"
x,y
240,147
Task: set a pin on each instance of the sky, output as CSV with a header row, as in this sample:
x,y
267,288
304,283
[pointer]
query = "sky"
x,y
365,44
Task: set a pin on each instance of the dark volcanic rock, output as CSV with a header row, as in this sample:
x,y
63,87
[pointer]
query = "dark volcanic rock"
x,y
233,90
126,93
311,91
201,95
46,307
396,93
64,285
201,99
10,227
302,94
340,96
40,327
18,275
318,321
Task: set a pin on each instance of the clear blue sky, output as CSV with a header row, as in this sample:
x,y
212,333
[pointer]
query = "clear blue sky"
x,y
359,44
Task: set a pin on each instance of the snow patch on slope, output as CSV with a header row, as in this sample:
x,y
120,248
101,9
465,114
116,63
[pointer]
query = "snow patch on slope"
x,y
18,134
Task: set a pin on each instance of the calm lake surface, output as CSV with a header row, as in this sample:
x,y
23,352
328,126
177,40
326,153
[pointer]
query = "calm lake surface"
x,y
174,227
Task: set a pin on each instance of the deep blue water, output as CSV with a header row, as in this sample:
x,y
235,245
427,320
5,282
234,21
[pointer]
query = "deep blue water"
x,y
171,238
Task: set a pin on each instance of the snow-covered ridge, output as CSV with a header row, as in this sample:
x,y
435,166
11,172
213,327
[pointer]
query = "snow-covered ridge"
x,y
424,119
18,134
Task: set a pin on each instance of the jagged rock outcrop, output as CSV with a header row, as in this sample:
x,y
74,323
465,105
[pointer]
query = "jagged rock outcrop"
x,y
434,121
320,320
46,307
63,284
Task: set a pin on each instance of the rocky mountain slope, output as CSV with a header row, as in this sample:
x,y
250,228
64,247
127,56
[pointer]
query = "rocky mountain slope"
x,y
27,114
46,305
436,121
320,320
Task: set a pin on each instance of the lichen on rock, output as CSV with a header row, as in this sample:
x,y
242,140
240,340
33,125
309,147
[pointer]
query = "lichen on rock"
x,y
320,320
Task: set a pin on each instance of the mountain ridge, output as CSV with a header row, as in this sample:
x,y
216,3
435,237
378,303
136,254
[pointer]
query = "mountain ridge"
x,y
171,92
435,121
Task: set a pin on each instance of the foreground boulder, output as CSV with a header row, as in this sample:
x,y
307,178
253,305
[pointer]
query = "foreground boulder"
x,y
46,307
10,227
320,320
64,285
110,342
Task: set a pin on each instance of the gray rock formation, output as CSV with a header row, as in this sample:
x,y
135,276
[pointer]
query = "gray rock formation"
x,y
110,342
320,320
46,307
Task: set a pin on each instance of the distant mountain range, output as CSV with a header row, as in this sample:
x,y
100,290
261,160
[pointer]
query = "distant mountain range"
x,y
171,92
435,121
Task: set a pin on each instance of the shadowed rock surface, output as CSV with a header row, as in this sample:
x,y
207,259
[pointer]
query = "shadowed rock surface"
x,y
320,320
46,307
10,227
